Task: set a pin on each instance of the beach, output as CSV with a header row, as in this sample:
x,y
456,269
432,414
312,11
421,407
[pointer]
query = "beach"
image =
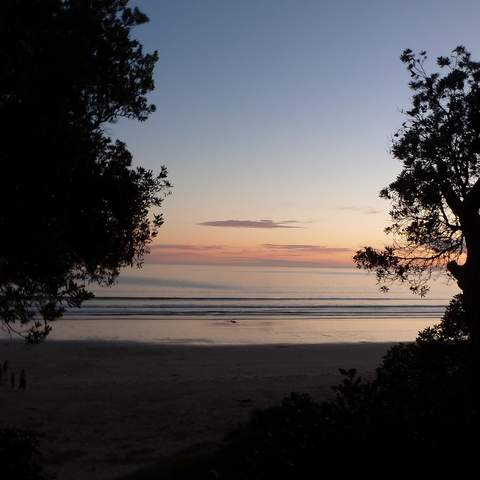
x,y
104,409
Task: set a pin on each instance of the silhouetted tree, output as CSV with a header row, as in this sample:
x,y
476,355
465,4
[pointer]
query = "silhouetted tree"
x,y
73,210
436,197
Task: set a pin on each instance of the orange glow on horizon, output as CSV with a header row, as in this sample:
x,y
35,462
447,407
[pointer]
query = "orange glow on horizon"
x,y
295,255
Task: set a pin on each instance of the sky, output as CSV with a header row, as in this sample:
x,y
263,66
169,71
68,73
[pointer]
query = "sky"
x,y
275,118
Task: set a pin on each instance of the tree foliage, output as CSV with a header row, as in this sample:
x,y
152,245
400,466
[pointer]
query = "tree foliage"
x,y
73,209
439,146
436,197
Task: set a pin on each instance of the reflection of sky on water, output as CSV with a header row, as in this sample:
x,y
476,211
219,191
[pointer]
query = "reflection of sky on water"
x,y
204,281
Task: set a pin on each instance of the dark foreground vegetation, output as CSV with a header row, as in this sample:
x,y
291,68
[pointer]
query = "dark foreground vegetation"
x,y
19,455
419,406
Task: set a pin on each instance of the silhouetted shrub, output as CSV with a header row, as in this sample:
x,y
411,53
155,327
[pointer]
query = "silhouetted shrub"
x,y
19,456
453,326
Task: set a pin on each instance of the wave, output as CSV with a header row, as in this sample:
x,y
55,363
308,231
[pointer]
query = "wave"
x,y
316,307
280,299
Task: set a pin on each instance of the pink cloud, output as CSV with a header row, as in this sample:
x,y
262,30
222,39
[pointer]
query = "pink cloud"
x,y
306,248
250,224
361,209
186,247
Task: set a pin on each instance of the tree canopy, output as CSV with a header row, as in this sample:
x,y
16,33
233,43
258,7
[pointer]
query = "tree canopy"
x,y
435,199
73,209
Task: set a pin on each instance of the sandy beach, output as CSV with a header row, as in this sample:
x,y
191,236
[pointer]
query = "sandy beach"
x,y
105,409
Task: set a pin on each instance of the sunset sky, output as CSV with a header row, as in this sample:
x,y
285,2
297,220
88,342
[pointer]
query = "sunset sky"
x,y
274,119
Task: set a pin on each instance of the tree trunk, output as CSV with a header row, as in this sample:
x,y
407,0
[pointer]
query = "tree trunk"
x,y
468,275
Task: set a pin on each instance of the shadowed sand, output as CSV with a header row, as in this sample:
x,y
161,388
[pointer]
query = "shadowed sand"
x,y
105,409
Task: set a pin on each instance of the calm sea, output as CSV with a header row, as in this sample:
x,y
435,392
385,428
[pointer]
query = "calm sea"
x,y
247,305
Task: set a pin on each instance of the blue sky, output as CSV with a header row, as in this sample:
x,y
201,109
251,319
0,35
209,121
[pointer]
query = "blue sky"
x,y
283,110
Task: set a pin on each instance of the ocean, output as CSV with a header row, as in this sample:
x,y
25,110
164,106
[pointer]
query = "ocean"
x,y
209,305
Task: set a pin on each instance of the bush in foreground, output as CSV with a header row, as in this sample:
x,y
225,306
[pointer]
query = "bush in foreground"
x,y
19,456
418,403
